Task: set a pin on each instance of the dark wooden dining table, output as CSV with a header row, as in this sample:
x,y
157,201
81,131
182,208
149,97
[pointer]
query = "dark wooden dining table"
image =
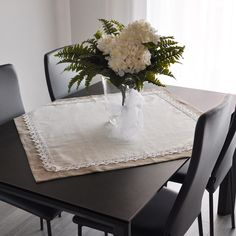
x,y
114,197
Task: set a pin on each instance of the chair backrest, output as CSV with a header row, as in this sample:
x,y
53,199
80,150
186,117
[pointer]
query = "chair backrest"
x,y
225,160
10,98
210,134
57,78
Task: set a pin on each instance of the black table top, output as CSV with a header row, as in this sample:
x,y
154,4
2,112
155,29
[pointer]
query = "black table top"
x,y
118,194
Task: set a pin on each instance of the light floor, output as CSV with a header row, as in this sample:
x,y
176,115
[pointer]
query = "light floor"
x,y
15,222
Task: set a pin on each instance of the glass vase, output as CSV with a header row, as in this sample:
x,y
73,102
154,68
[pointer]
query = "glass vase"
x,y
125,111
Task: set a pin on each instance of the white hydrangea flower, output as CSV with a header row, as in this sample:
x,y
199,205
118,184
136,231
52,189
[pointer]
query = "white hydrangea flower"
x,y
126,52
140,31
127,57
106,43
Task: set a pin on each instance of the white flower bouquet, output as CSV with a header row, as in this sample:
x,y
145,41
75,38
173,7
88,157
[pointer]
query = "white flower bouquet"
x,y
127,56
126,52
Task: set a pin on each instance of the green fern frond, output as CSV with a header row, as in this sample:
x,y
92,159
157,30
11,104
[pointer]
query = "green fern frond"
x,y
138,82
119,25
166,52
151,78
75,80
166,71
92,43
111,27
88,80
72,67
74,52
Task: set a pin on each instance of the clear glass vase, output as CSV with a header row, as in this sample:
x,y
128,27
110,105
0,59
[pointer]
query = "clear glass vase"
x,y
125,110
113,100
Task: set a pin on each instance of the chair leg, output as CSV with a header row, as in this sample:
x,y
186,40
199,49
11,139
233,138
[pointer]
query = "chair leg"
x,y
211,212
49,228
59,215
41,223
232,198
79,230
106,234
200,229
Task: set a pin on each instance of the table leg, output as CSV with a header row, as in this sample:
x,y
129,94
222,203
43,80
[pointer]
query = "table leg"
x,y
123,230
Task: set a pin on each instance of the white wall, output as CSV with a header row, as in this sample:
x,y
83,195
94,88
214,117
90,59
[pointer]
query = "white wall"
x,y
85,15
29,29
84,18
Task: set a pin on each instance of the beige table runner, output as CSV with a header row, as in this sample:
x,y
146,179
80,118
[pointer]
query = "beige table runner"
x,y
69,137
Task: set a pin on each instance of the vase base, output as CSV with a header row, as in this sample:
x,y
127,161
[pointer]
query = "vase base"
x,y
114,132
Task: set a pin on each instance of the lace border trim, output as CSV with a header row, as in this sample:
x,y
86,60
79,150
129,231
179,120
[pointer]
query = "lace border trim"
x,y
44,153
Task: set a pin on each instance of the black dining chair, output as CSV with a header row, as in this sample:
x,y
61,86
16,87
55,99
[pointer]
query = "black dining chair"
x,y
169,213
223,166
58,79
10,107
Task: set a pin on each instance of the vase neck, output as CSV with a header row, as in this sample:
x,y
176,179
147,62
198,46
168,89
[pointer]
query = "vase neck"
x,y
123,89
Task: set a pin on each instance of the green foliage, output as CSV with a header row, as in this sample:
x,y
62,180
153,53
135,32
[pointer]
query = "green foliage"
x,y
87,60
111,26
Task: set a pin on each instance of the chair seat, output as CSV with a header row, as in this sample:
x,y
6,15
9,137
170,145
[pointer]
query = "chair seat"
x,y
180,175
151,220
42,211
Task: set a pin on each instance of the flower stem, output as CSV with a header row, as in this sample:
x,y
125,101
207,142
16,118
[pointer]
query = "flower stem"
x,y
123,93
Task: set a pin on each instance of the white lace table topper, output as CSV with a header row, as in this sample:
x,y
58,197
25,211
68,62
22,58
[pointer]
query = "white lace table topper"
x,y
71,134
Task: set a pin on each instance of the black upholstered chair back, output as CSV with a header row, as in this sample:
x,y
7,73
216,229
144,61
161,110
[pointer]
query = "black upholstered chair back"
x,y
225,160
210,133
10,99
57,78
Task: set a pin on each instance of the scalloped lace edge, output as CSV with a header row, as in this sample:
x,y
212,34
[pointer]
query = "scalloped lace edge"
x,y
44,154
